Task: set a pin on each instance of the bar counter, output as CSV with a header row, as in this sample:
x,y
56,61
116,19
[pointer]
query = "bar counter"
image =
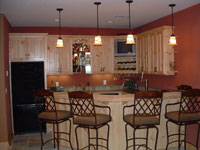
x,y
116,101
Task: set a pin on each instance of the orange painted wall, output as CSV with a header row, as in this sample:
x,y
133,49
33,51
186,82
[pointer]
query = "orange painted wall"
x,y
83,79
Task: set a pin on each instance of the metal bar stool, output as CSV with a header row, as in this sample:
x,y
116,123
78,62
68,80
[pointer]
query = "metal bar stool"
x,y
188,113
146,115
85,116
48,113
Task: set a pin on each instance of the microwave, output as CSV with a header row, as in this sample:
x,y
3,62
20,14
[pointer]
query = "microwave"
x,y
124,50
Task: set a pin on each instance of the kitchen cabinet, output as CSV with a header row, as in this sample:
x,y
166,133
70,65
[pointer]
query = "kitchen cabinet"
x,y
154,55
59,60
103,56
27,47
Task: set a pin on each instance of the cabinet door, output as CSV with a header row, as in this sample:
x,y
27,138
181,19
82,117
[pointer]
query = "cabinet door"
x,y
52,57
107,55
59,59
65,57
142,53
96,53
18,48
156,53
103,56
36,48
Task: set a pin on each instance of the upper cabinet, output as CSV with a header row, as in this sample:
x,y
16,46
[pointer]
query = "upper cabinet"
x,y
27,47
154,55
59,60
103,56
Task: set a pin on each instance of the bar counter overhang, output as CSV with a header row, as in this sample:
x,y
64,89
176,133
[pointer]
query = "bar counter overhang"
x,y
117,140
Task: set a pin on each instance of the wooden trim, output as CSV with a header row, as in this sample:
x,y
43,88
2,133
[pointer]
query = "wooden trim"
x,y
3,119
27,34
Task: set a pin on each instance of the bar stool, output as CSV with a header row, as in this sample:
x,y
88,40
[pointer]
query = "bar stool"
x,y
85,116
188,113
146,114
48,113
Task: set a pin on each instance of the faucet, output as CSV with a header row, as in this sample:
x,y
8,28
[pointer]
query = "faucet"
x,y
146,81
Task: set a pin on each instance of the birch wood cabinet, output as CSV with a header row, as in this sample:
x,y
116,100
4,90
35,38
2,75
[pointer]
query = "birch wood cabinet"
x,y
154,55
27,47
59,60
103,56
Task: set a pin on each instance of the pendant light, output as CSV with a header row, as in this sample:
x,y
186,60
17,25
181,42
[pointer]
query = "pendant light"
x,y
59,43
97,39
130,37
172,39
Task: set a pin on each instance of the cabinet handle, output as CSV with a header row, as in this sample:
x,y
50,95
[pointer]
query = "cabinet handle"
x,y
59,69
155,69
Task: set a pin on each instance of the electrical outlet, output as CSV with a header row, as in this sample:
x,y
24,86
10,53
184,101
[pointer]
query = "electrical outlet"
x,y
57,84
104,82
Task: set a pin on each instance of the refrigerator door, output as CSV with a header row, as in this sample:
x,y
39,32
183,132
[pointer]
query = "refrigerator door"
x,y
26,77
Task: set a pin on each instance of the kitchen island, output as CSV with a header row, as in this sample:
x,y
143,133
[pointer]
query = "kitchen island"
x,y
116,100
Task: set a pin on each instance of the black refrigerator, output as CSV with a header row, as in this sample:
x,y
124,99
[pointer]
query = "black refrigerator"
x,y
26,77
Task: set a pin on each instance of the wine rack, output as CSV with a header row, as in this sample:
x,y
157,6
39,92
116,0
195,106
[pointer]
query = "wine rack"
x,y
125,65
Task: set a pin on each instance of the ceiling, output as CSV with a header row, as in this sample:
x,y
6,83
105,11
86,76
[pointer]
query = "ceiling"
x,y
82,13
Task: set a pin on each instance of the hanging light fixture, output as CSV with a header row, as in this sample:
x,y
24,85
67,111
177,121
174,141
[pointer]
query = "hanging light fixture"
x,y
97,39
130,37
172,39
59,42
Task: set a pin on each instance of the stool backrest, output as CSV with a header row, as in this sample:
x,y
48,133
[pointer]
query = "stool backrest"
x,y
82,103
147,103
44,100
190,101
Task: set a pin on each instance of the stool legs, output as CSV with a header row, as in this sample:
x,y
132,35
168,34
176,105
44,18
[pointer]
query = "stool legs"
x,y
147,134
198,132
96,139
41,135
70,134
157,132
108,136
57,139
76,138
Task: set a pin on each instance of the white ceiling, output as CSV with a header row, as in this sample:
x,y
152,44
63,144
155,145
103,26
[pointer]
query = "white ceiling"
x,y
82,13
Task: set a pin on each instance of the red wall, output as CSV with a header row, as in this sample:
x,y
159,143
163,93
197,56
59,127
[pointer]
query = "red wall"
x,y
7,29
69,30
187,62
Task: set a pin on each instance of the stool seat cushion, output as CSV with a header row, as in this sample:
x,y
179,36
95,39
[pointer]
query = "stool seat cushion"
x,y
141,120
90,120
51,115
184,117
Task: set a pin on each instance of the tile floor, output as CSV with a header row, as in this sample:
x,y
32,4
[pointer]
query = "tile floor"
x,y
32,142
